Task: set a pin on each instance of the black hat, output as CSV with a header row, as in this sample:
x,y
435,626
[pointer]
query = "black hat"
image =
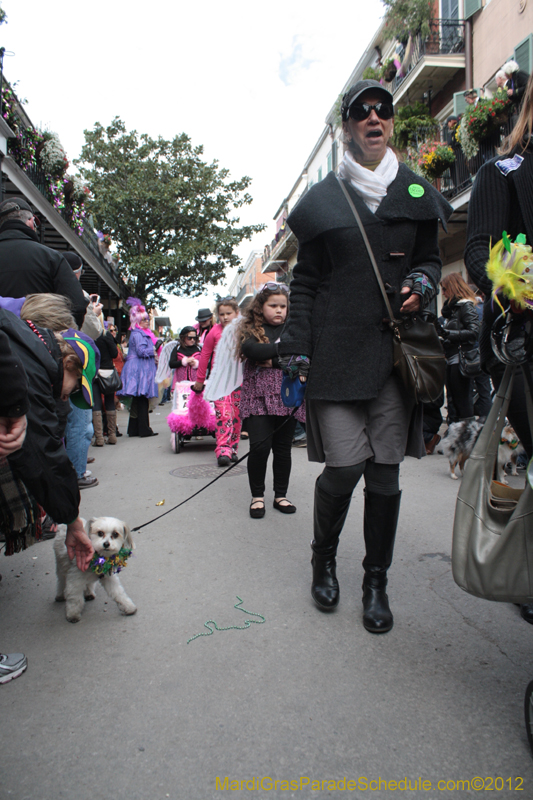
x,y
204,314
73,259
357,90
14,204
187,329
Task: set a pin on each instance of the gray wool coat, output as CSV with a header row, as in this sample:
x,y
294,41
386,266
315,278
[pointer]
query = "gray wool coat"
x,y
337,312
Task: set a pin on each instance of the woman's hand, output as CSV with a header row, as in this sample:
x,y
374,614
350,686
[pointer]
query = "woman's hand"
x,y
267,363
412,302
197,387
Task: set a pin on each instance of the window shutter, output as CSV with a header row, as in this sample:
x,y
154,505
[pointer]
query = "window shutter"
x,y
470,8
523,54
459,104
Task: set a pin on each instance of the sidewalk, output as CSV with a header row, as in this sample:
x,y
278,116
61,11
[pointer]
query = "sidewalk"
x,y
123,708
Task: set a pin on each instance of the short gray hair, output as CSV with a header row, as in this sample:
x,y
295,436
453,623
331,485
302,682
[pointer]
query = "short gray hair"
x,y
19,213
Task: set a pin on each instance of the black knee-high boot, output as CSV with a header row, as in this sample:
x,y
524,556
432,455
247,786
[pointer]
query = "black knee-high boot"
x,y
329,516
380,522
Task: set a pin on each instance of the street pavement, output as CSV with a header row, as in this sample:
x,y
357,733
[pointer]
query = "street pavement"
x,y
122,707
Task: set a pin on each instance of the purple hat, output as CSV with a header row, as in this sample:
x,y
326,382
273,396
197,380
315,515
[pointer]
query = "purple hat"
x,y
89,355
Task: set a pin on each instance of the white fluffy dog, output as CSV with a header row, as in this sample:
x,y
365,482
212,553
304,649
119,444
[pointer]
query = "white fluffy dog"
x,y
108,535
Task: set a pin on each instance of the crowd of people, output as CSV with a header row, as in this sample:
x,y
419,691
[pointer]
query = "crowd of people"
x,y
63,370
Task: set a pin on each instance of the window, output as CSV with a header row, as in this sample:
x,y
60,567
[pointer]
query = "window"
x,y
319,176
523,54
471,6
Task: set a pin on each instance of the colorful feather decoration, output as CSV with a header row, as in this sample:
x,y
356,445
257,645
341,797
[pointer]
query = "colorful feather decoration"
x,y
510,268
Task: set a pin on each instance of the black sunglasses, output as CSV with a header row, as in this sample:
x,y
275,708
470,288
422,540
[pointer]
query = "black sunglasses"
x,y
360,111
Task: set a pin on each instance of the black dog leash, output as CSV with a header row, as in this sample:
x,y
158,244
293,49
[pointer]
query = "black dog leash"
x,y
287,418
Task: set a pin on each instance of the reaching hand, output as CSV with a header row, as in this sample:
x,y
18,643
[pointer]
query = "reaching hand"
x,y
79,545
12,434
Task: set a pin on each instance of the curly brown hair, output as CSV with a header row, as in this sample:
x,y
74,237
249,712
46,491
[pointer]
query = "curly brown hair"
x,y
253,320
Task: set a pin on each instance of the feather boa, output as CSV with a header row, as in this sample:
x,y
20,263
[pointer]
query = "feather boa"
x,y
510,268
200,415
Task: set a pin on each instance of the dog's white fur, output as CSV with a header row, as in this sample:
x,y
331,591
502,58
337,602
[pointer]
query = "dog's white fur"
x,y
107,535
507,454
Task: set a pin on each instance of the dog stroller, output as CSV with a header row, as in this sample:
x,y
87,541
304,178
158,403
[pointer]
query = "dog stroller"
x,y
191,415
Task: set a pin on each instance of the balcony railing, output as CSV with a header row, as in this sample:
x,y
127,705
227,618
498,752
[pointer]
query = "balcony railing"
x,y
447,37
458,178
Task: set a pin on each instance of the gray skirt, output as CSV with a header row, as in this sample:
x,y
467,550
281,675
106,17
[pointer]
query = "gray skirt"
x,y
343,434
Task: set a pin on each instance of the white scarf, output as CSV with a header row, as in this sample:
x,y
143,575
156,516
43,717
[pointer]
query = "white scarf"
x,y
372,185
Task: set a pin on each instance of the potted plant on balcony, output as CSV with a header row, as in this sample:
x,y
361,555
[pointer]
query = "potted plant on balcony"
x,y
404,18
370,74
389,69
413,124
480,121
434,158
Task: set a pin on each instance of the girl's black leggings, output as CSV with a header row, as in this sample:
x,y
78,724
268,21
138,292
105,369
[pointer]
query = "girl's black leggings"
x,y
279,440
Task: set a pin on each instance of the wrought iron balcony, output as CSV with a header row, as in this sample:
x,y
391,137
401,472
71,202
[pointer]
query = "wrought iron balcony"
x,y
443,49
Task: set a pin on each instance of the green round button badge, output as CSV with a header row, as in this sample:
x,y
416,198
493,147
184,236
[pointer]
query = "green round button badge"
x,y
415,190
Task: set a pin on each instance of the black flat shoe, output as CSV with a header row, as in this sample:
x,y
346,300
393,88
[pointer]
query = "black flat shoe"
x,y
152,433
289,509
257,513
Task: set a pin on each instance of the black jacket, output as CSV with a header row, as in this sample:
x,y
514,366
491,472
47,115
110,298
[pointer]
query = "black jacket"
x,y
498,203
263,351
42,464
13,382
108,350
182,351
461,325
28,267
337,312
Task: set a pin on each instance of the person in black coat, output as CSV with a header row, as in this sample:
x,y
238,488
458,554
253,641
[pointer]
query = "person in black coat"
x,y
460,330
108,351
502,200
13,399
42,464
358,415
28,267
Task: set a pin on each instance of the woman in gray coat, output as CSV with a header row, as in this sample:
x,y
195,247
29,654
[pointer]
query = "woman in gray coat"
x,y
359,419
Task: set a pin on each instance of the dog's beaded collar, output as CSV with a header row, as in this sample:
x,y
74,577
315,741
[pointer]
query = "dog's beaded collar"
x,y
101,565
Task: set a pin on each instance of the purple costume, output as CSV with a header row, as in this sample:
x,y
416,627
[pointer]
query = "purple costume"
x,y
138,374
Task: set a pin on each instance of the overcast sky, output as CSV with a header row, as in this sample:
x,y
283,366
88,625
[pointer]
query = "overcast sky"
x,y
252,81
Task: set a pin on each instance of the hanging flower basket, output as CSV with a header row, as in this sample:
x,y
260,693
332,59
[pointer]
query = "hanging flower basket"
x,y
480,121
434,158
